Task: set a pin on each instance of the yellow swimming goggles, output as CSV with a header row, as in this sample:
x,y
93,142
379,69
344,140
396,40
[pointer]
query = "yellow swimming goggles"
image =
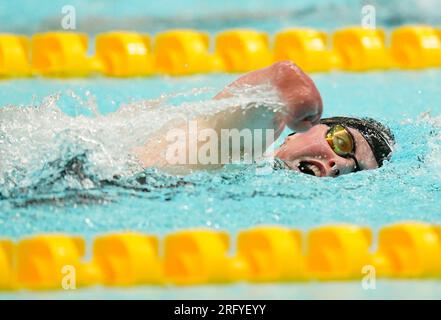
x,y
342,143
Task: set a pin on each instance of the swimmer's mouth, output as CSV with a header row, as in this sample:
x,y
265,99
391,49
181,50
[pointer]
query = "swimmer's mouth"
x,y
309,168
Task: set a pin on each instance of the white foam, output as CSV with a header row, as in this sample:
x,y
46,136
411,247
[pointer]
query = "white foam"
x,y
433,158
33,137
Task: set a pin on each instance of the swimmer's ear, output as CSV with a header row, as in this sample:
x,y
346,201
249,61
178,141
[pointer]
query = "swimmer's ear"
x,y
437,231
7,246
24,42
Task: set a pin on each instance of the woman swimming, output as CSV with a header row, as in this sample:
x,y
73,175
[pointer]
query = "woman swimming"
x,y
320,147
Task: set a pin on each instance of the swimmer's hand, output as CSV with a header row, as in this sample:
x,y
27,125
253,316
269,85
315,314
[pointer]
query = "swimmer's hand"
x,y
296,90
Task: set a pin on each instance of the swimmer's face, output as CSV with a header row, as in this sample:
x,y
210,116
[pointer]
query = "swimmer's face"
x,y
310,153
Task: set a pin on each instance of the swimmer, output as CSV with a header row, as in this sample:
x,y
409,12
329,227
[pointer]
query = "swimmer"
x,y
321,147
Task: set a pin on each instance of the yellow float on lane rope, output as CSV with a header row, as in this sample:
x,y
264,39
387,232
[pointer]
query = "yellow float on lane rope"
x,y
6,264
338,252
409,250
415,47
263,254
305,47
14,60
61,54
243,50
184,52
124,54
43,261
198,256
127,259
361,49
271,253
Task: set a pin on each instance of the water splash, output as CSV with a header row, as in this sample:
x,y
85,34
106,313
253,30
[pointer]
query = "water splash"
x,y
433,159
44,150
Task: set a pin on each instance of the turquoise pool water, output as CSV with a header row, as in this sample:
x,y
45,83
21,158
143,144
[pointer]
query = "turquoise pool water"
x,y
45,124
232,198
47,199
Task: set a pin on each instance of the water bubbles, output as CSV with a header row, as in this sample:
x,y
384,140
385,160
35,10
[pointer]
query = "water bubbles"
x,y
209,210
88,222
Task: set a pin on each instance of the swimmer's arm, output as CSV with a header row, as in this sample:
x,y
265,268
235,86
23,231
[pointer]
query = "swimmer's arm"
x,y
302,101
178,147
303,108
302,104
